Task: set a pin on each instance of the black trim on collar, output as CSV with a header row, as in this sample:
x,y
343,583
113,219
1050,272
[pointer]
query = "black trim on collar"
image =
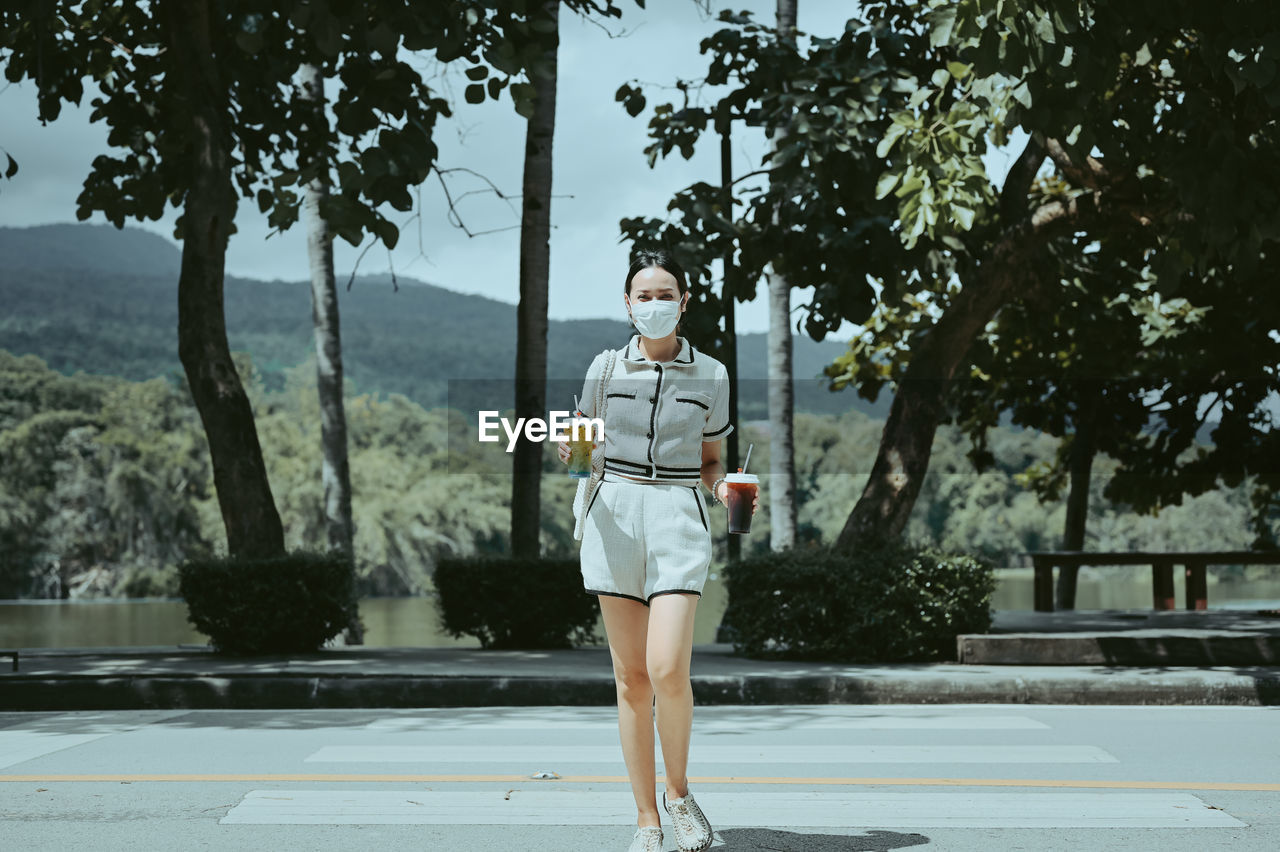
x,y
632,352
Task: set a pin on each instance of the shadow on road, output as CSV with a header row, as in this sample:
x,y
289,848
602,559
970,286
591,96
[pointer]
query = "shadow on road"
x,y
774,840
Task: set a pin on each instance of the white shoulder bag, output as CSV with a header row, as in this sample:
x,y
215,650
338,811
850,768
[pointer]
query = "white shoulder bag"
x,y
587,487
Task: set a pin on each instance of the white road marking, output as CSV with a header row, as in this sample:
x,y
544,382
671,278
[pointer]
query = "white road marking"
x,y
546,756
718,726
845,809
47,734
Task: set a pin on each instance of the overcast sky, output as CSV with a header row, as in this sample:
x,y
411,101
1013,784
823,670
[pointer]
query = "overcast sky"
x,y
600,171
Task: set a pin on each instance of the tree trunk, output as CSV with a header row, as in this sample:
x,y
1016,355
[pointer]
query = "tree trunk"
x,y
240,477
1012,267
531,315
782,469
730,299
335,472
1083,449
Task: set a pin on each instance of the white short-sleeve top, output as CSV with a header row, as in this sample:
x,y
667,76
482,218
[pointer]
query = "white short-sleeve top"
x,y
658,413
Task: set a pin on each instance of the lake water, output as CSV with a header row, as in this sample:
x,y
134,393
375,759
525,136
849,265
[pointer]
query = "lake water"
x,y
415,621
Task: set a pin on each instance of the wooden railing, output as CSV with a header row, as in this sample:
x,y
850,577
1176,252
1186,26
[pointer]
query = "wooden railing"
x,y
1161,562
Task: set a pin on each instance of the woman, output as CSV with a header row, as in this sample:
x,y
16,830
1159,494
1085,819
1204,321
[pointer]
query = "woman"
x,y
646,542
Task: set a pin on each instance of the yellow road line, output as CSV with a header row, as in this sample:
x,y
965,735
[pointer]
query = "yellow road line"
x,y
707,779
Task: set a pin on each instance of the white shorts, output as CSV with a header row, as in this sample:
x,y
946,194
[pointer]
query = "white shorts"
x,y
642,539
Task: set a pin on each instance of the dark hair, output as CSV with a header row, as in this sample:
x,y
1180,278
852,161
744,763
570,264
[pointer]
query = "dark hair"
x,y
647,258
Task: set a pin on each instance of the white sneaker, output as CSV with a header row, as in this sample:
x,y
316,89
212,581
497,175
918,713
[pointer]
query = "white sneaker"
x,y
693,832
648,838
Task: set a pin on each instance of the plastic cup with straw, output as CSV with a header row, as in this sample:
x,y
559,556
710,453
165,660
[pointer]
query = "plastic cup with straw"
x,y
580,445
740,493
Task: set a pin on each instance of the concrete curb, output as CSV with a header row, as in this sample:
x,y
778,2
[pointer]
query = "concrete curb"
x,y
1131,648
303,690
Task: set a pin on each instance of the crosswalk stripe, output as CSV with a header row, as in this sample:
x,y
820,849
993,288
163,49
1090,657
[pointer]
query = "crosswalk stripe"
x,y
507,778
914,810
718,726
568,755
65,730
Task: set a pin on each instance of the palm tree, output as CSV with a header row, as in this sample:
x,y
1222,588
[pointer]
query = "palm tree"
x,y
782,472
531,315
335,472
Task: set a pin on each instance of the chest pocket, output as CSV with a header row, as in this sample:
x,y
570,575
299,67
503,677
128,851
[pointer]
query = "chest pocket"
x,y
627,415
697,398
687,411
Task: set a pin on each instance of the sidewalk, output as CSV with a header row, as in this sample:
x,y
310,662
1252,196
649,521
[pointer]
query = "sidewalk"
x,y
194,677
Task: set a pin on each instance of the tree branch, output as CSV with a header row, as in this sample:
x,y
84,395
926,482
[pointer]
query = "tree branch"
x,y
1091,175
1013,195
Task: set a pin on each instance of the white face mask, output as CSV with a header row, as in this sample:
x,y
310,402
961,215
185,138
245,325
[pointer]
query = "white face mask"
x,y
656,317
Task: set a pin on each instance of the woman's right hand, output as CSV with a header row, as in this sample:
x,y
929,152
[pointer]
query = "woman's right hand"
x,y
564,451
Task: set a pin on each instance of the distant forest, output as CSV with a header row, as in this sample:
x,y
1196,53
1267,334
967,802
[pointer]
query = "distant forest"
x,y
104,475
102,300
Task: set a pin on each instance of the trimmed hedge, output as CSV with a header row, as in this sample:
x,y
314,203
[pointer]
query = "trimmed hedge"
x,y
507,602
900,602
288,604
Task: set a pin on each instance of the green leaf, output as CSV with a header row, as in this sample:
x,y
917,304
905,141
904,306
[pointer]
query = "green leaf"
x,y
477,72
1022,94
1143,56
944,23
387,232
13,167
1044,30
522,95
887,182
963,216
892,135
474,93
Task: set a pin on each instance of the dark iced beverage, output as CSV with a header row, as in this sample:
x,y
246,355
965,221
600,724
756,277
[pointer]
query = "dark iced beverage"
x,y
739,495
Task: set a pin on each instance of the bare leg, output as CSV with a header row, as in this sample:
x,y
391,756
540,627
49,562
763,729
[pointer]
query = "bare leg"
x,y
626,623
670,646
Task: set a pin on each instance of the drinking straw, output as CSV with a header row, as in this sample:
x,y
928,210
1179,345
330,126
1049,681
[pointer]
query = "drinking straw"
x,y
743,469
577,409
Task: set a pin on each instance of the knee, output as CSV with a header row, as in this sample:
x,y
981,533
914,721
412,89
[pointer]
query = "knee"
x,y
669,679
633,682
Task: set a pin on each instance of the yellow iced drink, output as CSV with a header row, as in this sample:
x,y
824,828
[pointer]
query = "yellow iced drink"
x,y
580,445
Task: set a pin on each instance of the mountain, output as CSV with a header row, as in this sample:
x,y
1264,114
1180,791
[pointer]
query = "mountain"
x,y
103,300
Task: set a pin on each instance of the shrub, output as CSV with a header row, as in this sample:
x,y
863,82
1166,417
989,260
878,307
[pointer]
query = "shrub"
x,y
899,602
286,604
507,602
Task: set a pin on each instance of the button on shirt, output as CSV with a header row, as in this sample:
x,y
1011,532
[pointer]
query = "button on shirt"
x,y
659,413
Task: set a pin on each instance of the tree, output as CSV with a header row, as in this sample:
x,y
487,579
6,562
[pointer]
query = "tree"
x,y
199,96
335,470
936,85
535,261
1115,98
782,472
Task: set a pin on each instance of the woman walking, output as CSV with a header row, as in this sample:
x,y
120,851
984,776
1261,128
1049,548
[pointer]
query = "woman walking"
x,y
646,535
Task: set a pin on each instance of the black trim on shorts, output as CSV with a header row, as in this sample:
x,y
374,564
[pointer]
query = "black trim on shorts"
x,y
701,514
616,595
675,592
594,495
